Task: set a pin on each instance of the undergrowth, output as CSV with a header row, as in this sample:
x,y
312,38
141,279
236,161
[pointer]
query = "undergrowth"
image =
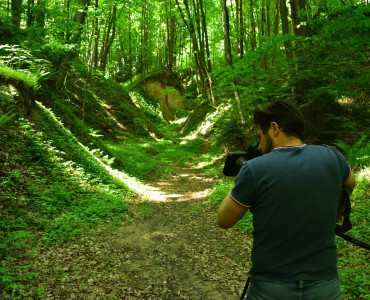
x,y
53,190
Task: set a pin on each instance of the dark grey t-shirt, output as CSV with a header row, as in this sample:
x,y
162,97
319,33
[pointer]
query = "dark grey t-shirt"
x,y
293,194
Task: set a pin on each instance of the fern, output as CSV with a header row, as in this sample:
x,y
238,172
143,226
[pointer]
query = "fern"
x,y
357,154
4,119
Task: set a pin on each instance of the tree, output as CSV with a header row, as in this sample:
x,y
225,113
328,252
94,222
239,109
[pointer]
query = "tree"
x,y
198,47
228,57
16,8
78,21
108,37
285,27
299,17
227,44
171,34
253,26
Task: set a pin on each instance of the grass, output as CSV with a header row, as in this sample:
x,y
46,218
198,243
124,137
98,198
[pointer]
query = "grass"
x,y
141,157
53,190
28,78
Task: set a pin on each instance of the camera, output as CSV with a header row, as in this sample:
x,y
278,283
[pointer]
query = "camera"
x,y
235,160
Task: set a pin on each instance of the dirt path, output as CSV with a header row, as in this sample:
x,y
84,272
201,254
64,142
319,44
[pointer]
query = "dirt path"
x,y
170,248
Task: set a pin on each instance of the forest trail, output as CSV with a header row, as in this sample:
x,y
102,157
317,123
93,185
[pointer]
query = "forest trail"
x,y
169,248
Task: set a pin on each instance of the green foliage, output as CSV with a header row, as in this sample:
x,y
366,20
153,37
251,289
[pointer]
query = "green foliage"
x,y
218,194
353,271
358,154
6,118
131,158
149,106
140,157
53,190
20,58
220,191
28,78
230,132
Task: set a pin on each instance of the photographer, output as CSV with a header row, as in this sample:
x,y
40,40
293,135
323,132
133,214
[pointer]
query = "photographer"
x,y
293,192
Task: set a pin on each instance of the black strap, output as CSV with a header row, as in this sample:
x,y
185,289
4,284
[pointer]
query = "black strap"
x,y
345,204
246,288
340,230
354,241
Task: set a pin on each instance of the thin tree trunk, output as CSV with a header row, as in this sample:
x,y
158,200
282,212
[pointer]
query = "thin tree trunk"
x,y
129,43
285,28
228,58
171,39
297,19
276,23
237,28
253,26
16,6
30,15
79,20
96,37
263,23
204,27
199,57
241,38
268,18
226,27
109,38
40,17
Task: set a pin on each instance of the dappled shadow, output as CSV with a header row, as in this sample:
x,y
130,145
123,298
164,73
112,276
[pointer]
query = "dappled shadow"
x,y
169,248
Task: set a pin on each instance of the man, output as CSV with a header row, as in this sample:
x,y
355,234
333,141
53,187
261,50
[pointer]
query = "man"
x,y
293,192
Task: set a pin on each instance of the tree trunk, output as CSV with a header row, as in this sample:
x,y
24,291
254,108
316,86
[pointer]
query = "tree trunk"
x,y
129,44
96,37
30,15
285,27
276,23
228,58
205,31
16,8
227,44
171,38
268,18
199,57
109,38
241,37
263,23
237,27
253,26
297,19
40,17
79,20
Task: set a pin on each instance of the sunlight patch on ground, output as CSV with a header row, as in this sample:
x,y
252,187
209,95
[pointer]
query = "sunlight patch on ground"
x,y
364,174
155,194
149,236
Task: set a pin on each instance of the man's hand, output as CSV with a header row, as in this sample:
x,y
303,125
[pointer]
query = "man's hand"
x,y
230,212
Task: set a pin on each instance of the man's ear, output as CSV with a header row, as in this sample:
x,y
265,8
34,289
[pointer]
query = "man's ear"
x,y
275,128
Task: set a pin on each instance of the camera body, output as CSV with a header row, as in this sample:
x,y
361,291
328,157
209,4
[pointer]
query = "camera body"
x,y
235,160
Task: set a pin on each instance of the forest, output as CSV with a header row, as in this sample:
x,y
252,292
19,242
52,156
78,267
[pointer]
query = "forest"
x,y
116,118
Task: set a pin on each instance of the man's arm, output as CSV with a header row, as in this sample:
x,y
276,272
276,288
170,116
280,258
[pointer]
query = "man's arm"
x,y
230,212
350,184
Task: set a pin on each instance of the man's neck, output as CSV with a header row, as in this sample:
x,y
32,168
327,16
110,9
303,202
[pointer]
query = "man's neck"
x,y
288,141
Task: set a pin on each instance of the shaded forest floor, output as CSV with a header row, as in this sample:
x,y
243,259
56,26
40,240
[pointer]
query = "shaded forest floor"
x,y
168,248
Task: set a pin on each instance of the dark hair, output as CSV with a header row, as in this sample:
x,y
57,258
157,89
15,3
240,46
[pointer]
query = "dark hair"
x,y
285,114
